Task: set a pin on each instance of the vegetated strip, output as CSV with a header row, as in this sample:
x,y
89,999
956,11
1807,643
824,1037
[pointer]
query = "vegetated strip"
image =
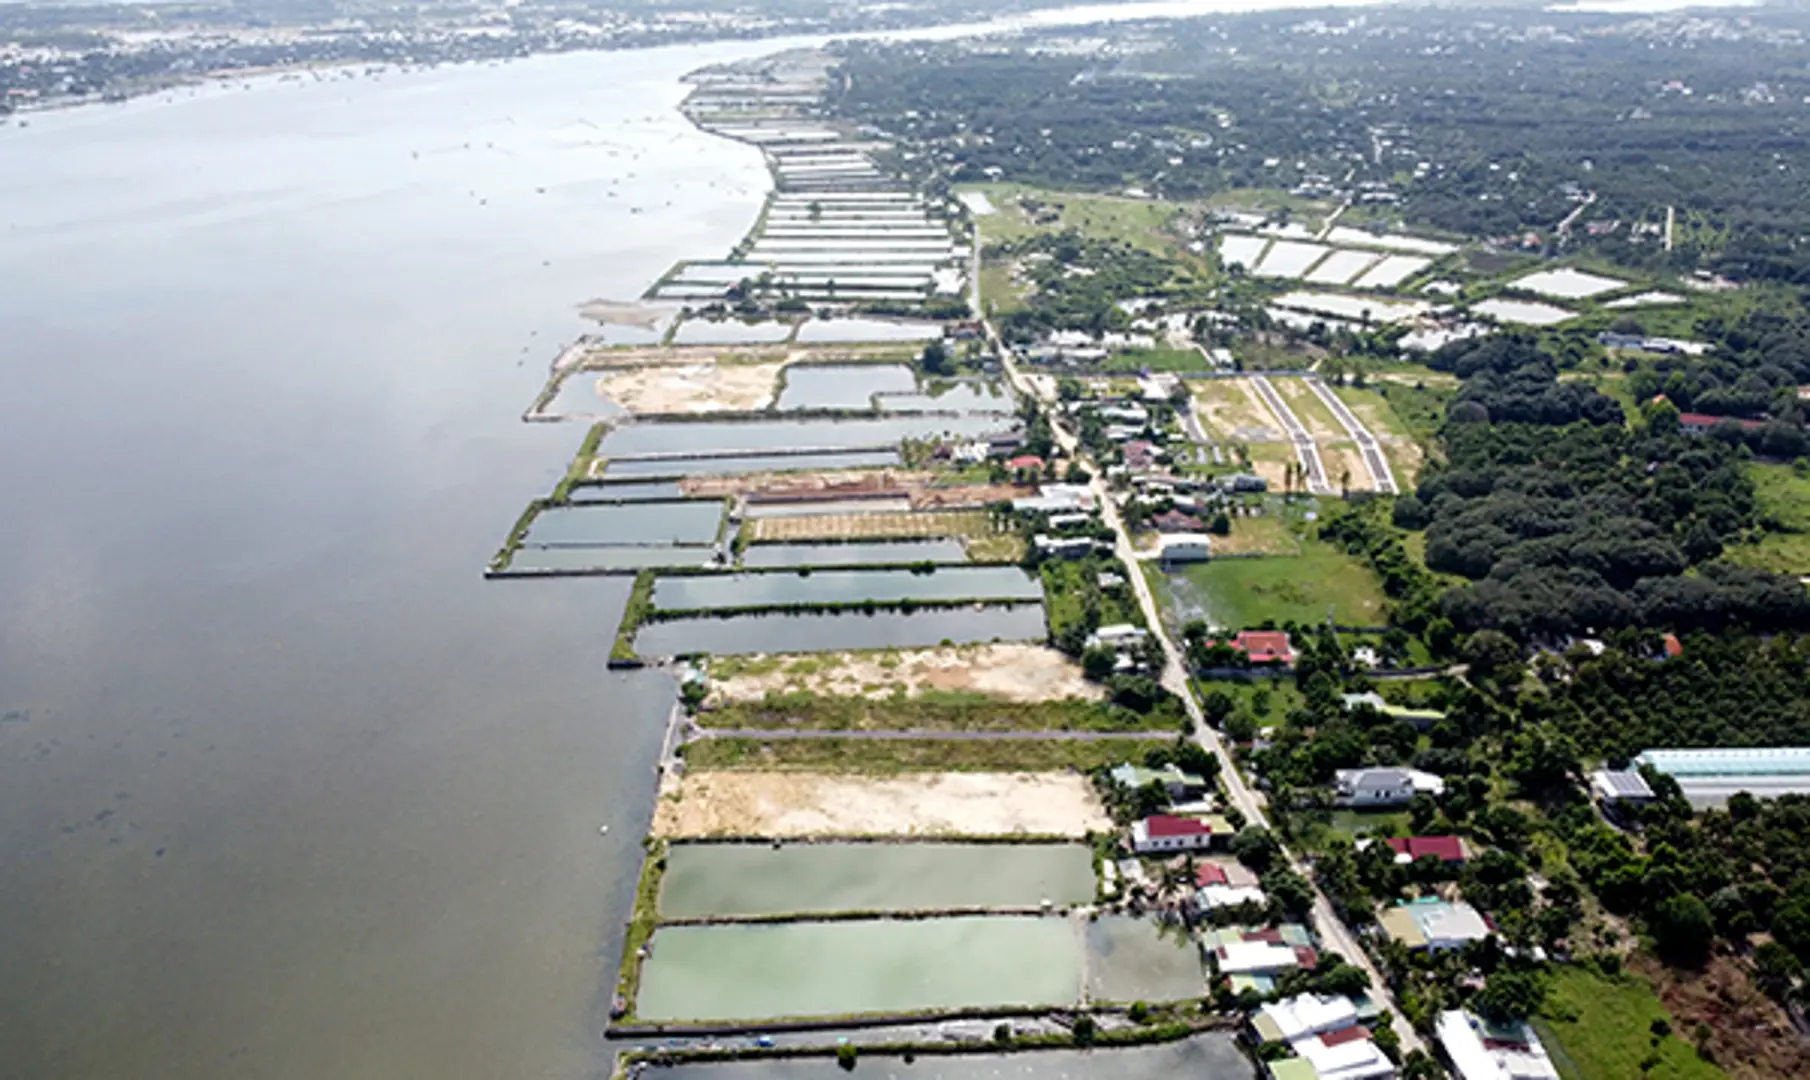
x,y
642,920
852,755
635,611
1180,1026
832,607
774,918
931,711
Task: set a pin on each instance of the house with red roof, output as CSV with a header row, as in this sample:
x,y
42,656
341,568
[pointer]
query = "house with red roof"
x,y
1265,646
1025,461
1163,833
1699,423
1672,646
1447,849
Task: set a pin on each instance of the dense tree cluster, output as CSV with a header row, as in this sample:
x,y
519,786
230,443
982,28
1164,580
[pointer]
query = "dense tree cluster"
x,y
1078,282
1565,521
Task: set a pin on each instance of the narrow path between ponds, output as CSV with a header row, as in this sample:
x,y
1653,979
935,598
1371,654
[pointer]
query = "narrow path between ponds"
x,y
975,736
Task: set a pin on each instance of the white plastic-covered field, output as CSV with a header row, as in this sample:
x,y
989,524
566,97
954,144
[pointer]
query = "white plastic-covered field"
x,y
1290,259
1340,305
1392,271
1345,234
1568,283
1341,266
1522,312
1241,249
1645,299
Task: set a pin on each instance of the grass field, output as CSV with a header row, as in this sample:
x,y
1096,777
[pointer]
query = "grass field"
x,y
1784,497
1239,593
833,754
1161,358
1267,535
998,290
1598,1028
1069,587
1143,223
985,540
1402,441
932,711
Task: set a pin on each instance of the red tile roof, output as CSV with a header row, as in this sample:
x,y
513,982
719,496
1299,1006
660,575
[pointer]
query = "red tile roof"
x,y
1354,1033
1025,461
1673,647
1443,848
1210,874
1265,646
1704,420
1170,825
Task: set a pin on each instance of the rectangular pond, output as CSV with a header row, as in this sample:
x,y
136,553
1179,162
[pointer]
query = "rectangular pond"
x,y
580,394
775,588
657,490
843,386
847,330
1136,960
860,553
1209,1056
646,557
952,397
749,463
755,436
818,632
761,972
742,880
606,524
704,332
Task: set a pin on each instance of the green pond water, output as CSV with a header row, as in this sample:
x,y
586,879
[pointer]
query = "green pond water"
x,y
731,880
753,972
1133,960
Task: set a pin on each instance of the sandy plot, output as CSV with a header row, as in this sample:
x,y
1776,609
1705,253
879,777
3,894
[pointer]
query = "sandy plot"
x,y
695,388
1345,456
822,484
1310,410
887,525
1232,408
930,804
1017,673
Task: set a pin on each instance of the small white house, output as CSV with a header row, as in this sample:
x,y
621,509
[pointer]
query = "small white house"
x,y
1163,834
1184,547
1118,636
1367,788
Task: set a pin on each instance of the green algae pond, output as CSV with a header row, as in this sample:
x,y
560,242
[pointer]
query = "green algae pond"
x,y
765,971
753,880
1209,1056
1136,960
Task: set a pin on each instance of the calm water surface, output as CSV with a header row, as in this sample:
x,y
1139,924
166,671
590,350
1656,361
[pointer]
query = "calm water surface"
x,y
846,586
287,789
1213,1056
694,521
746,972
759,879
743,634
855,553
843,386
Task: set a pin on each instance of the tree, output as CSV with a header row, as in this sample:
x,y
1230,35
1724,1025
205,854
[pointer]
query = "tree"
x,y
846,1055
937,360
1683,929
1255,847
1097,662
1511,995
1084,1030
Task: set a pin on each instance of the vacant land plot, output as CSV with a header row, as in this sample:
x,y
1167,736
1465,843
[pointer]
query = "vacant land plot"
x,y
1598,1028
1392,433
1310,410
1012,673
821,484
800,710
1160,358
1265,535
1143,223
934,804
1784,499
1232,409
1238,593
692,388
986,539
836,754
1747,1034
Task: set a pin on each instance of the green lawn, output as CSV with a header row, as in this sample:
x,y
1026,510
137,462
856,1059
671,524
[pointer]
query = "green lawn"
x,y
1143,223
1598,1028
1784,496
834,754
1069,588
1240,593
1161,358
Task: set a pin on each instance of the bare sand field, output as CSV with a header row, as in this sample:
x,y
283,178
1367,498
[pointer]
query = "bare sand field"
x,y
691,388
1232,408
1017,673
882,525
718,804
1345,456
823,484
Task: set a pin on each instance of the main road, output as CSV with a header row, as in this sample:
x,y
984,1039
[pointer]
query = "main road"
x,y
1332,931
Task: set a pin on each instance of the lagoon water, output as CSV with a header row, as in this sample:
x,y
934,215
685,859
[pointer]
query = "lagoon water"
x,y
287,790
760,971
1212,1056
693,521
742,880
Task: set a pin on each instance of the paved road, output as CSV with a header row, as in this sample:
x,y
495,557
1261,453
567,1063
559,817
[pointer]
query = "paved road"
x,y
1382,478
1305,450
1333,933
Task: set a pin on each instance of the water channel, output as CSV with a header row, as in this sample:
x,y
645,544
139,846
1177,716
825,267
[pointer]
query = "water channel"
x,y
1213,1056
739,880
755,436
750,463
855,553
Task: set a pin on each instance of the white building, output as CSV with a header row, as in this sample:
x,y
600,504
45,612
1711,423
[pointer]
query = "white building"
x,y
1255,958
1367,788
1303,1015
1184,547
1161,834
1118,636
1512,1052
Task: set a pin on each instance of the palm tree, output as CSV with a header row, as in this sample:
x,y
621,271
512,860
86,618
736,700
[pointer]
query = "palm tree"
x,y
1345,482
